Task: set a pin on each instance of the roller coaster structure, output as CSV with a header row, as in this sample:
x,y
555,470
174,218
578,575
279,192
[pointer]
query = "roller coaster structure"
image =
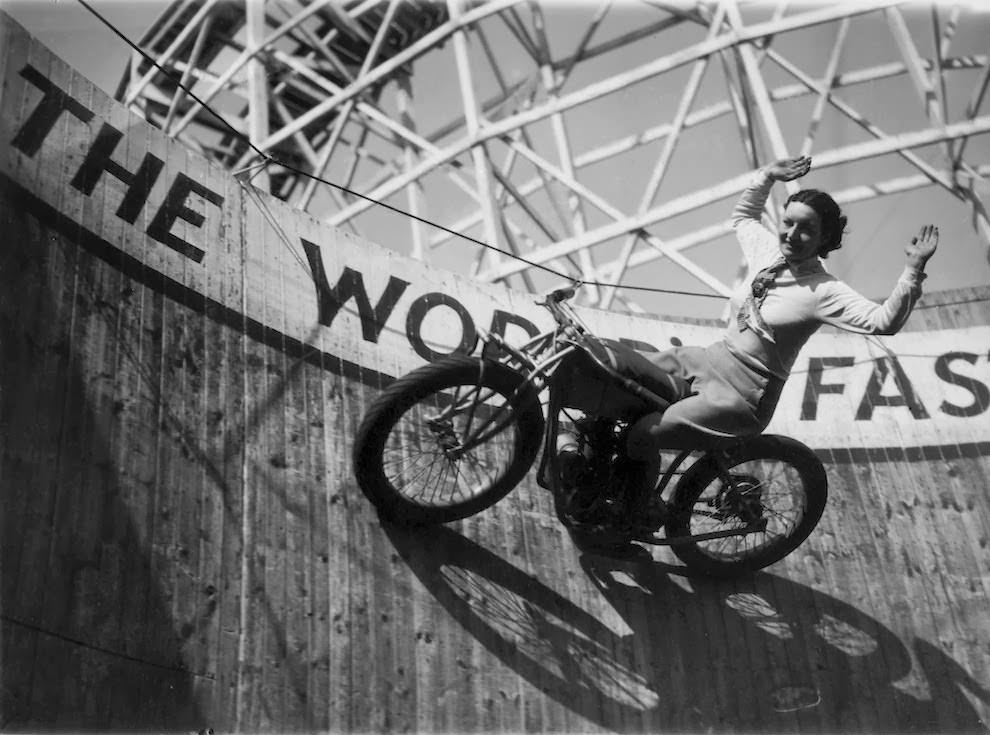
x,y
570,134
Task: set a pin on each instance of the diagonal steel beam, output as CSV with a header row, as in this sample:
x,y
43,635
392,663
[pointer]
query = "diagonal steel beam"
x,y
733,186
848,111
482,164
825,87
603,88
858,193
660,169
618,216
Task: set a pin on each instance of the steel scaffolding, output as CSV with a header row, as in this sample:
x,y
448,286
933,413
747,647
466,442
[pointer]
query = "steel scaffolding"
x,y
592,140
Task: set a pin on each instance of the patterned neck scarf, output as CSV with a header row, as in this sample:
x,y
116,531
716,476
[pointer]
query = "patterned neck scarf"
x,y
749,316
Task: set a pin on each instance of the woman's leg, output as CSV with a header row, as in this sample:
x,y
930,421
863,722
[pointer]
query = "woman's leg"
x,y
660,373
697,422
724,404
638,471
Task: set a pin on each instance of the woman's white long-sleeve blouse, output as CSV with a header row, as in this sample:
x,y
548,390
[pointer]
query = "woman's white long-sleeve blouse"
x,y
803,299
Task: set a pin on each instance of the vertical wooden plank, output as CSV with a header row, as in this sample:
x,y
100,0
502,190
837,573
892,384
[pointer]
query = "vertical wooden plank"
x,y
68,554
33,450
379,570
669,662
102,528
80,557
348,654
132,399
156,505
137,406
715,660
300,610
253,702
27,467
862,558
208,537
125,526
179,395
289,469
319,628
361,647
9,40
338,567
273,402
836,688
427,669
356,540
186,414
217,496
402,678
749,638
231,421
164,347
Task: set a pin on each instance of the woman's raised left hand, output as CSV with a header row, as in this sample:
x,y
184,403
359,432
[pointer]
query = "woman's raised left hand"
x,y
922,247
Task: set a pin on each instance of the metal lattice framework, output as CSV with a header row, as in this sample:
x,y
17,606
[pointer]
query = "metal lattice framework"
x,y
590,139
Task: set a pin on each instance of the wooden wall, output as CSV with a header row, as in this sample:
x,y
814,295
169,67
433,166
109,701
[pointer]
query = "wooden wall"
x,y
183,545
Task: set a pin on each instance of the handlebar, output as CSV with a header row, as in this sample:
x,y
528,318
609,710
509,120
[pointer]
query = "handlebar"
x,y
563,312
561,294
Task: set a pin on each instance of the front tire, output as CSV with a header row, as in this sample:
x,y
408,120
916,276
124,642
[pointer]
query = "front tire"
x,y
778,490
407,457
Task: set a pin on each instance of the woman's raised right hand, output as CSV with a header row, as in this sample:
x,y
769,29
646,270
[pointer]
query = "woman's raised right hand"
x,y
788,169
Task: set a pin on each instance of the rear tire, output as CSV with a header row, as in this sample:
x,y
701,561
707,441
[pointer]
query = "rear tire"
x,y
777,481
402,459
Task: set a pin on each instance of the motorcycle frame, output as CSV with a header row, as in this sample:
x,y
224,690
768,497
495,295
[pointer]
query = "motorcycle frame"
x,y
537,360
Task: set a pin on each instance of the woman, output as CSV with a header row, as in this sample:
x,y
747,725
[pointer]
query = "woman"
x,y
731,388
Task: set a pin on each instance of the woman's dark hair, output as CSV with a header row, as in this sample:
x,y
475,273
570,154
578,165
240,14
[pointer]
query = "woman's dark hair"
x,y
833,222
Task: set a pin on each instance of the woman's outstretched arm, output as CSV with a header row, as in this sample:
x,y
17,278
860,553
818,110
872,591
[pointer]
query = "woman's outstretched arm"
x,y
756,241
843,307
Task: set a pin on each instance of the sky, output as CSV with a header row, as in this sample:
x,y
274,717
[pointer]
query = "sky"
x,y
66,27
878,230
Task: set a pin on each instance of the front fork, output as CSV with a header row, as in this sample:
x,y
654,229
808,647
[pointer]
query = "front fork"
x,y
442,424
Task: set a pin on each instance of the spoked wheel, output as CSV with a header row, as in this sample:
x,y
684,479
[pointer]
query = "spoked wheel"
x,y
447,440
771,487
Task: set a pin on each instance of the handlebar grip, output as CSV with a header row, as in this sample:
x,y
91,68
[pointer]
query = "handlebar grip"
x,y
561,294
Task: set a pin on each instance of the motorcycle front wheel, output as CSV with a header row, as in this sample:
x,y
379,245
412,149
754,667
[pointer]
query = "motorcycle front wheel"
x,y
447,441
772,489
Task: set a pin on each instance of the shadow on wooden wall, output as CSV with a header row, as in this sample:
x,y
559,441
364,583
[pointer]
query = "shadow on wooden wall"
x,y
89,639
762,653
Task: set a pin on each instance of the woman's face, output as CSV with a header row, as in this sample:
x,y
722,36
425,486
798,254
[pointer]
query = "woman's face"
x,y
800,233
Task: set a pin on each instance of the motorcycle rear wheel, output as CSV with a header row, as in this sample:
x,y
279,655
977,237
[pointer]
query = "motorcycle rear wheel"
x,y
778,491
409,459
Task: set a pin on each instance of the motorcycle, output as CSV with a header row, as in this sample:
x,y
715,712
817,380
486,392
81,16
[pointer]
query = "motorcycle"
x,y
452,438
